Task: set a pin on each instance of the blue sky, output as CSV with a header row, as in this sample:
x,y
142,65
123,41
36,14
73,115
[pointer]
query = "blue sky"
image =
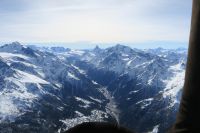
x,y
85,23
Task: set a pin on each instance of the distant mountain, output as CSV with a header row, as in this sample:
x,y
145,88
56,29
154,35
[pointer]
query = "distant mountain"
x,y
53,89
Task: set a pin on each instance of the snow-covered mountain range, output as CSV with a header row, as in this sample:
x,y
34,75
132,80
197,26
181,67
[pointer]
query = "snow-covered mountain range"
x,y
52,89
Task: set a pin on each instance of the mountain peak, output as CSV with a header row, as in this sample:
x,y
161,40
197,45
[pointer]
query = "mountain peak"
x,y
16,47
13,45
97,49
16,43
120,48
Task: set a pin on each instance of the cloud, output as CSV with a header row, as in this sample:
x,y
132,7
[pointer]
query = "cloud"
x,y
106,21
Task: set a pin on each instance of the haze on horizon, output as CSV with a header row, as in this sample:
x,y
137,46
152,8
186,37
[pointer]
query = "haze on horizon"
x,y
96,21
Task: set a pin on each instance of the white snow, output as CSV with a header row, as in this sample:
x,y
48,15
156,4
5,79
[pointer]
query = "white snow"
x,y
94,99
16,89
72,52
125,59
76,52
28,64
70,75
174,84
144,103
150,81
77,68
60,108
59,85
94,82
128,99
129,62
85,102
144,64
79,114
9,56
82,100
155,129
8,109
125,55
41,73
132,92
25,63
20,92
29,78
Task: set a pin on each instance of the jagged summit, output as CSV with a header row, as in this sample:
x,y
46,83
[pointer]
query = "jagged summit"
x,y
12,46
97,49
16,47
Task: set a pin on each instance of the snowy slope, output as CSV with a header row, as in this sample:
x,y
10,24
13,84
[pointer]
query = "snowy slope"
x,y
59,87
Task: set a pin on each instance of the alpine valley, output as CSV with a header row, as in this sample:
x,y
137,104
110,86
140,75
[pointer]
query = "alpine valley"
x,y
51,89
